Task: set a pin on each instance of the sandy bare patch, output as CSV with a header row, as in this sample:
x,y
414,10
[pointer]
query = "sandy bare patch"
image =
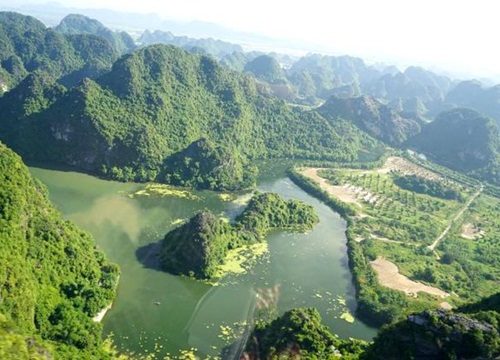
x,y
469,231
346,193
389,276
396,163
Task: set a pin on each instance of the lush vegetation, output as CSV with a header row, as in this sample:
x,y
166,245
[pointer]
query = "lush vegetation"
x,y
205,165
299,334
440,335
54,279
154,104
72,24
27,45
400,225
473,148
269,211
430,187
471,333
198,247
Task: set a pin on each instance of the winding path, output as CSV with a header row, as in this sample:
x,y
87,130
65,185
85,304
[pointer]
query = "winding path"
x,y
457,216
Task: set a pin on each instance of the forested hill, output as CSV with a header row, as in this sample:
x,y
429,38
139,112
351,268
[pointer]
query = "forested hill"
x,y
470,332
463,140
154,104
474,95
200,246
53,279
467,333
122,42
26,45
373,117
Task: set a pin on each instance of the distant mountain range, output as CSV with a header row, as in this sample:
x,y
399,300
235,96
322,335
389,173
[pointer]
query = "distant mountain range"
x,y
216,48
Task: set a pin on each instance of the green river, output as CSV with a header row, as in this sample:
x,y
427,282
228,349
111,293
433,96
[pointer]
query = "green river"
x,y
158,313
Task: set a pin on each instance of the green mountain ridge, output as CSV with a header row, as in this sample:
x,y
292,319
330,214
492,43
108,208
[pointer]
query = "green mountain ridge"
x,y
73,24
27,45
373,117
157,101
217,48
54,279
474,147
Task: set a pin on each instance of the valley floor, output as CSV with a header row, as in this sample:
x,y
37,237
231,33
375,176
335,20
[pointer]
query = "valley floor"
x,y
419,243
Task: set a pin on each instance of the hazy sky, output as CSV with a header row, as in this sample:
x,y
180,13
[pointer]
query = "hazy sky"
x,y
459,35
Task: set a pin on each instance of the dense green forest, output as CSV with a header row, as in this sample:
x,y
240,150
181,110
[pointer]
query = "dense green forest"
x,y
74,24
198,247
206,165
470,332
54,279
131,122
430,187
299,334
28,45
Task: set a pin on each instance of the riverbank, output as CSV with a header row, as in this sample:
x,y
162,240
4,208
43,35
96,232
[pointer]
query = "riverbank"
x,y
102,313
377,305
399,224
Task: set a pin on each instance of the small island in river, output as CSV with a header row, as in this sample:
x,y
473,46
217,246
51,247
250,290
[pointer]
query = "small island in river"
x,y
198,247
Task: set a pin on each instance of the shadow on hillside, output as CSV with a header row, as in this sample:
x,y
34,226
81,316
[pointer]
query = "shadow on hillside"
x,y
148,255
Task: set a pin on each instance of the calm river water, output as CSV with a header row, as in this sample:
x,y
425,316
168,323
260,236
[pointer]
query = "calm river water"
x,y
159,313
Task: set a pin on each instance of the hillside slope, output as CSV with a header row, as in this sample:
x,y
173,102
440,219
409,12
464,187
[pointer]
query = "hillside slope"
x,y
158,101
373,117
54,279
26,45
80,24
463,140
